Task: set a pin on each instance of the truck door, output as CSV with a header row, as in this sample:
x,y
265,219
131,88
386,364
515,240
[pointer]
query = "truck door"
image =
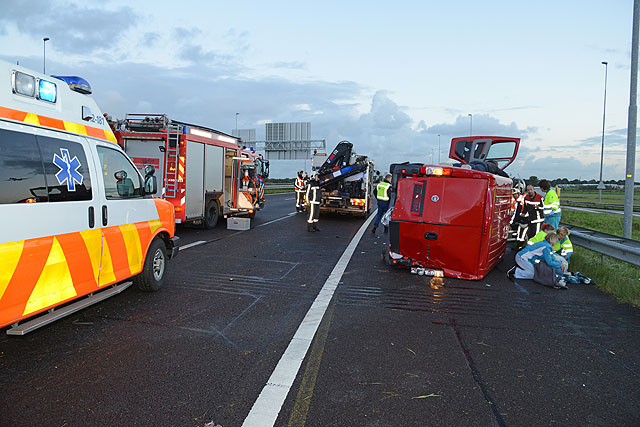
x,y
194,178
126,217
501,149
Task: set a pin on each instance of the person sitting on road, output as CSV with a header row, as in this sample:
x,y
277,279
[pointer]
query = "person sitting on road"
x,y
531,254
546,229
550,204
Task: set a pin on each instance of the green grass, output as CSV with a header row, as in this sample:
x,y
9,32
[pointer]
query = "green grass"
x,y
618,278
608,196
278,190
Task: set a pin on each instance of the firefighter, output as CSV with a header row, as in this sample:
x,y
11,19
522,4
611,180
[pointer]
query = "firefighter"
x,y
382,194
299,187
533,205
313,204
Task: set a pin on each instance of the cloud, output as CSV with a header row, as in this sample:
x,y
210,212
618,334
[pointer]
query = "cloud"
x,y
615,137
291,65
71,27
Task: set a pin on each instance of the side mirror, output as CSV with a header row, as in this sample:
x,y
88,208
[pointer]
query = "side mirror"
x,y
150,183
120,175
149,170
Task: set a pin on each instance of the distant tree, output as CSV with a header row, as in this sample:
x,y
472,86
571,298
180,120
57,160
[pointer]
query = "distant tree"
x,y
563,181
592,181
576,182
533,180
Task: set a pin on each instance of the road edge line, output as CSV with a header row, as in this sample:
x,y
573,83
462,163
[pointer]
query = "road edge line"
x,y
267,406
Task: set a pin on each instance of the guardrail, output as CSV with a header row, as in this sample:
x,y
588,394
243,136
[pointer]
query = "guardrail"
x,y
617,247
278,186
611,206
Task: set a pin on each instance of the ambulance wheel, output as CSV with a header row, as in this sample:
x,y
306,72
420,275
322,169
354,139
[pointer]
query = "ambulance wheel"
x,y
211,216
153,272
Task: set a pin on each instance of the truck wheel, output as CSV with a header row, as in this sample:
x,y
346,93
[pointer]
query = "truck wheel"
x,y
152,275
211,216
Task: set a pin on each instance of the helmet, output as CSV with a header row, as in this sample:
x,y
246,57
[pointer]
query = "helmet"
x,y
518,186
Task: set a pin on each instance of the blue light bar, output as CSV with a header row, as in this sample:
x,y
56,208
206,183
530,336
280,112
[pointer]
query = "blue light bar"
x,y
76,83
47,91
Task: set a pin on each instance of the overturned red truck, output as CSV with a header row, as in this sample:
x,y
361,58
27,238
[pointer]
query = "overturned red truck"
x,y
453,221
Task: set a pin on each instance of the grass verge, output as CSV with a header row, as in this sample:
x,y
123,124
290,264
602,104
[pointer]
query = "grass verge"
x,y
277,190
614,277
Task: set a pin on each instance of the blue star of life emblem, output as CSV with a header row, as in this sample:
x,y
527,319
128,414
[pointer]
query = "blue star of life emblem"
x,y
68,169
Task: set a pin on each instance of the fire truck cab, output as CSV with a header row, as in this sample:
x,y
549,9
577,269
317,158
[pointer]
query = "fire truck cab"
x,y
204,173
453,221
78,216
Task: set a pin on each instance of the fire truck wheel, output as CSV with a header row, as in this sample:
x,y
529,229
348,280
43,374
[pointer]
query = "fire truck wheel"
x,y
152,276
211,215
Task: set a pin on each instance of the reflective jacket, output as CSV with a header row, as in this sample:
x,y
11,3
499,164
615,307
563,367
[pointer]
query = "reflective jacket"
x,y
299,184
551,202
564,247
382,191
537,238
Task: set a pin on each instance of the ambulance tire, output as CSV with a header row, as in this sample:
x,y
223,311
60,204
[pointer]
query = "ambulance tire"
x,y
155,266
211,216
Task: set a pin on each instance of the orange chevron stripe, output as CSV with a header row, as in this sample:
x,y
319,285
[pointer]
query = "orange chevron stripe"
x,y
79,261
32,261
22,116
144,234
118,250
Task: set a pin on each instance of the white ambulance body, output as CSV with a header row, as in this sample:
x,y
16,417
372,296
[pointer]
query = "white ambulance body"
x,y
77,215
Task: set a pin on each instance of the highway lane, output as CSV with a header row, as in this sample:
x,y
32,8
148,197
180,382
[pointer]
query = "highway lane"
x,y
391,350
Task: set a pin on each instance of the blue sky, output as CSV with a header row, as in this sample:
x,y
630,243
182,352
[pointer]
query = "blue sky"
x,y
387,77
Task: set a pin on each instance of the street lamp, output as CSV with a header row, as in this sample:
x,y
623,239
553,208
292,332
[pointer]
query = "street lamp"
x,y
237,133
44,54
438,148
604,111
470,124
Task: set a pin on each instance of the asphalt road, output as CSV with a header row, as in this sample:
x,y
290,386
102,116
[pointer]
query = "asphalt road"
x,y
391,349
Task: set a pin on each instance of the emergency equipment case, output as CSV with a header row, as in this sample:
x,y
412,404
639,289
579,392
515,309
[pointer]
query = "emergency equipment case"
x,y
452,221
77,215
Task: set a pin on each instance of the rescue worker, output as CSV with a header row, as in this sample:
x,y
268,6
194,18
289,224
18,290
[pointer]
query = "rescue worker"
x,y
550,204
529,216
539,237
299,187
313,204
382,194
564,247
538,252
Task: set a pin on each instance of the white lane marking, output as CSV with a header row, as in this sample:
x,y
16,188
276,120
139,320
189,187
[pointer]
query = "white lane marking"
x,y
266,408
276,220
291,198
190,245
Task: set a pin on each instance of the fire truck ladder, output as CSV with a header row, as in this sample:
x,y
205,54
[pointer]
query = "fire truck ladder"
x,y
171,164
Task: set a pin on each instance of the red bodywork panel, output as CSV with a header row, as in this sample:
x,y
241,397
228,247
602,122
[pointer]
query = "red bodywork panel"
x,y
457,223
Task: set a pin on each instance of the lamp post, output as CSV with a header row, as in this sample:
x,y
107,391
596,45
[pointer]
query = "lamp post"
x,y
237,133
604,111
470,124
44,55
438,148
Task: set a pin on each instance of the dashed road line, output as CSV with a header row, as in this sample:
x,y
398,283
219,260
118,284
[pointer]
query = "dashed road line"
x,y
266,408
190,245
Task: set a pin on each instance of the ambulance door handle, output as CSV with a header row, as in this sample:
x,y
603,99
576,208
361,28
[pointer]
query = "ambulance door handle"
x,y
92,219
104,215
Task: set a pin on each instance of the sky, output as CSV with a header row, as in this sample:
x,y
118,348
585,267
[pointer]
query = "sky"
x,y
389,77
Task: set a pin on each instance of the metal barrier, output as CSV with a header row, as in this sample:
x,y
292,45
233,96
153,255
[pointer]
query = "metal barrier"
x,y
610,206
278,186
617,247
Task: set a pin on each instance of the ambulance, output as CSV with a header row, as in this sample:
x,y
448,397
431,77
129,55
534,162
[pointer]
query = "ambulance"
x,y
78,219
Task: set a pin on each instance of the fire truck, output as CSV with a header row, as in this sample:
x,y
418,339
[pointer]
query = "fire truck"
x,y
346,180
204,173
453,221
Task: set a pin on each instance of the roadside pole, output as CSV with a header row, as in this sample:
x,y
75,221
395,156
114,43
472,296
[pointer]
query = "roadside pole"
x,y
631,126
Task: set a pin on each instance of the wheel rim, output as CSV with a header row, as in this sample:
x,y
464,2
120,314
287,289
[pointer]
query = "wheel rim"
x,y
158,264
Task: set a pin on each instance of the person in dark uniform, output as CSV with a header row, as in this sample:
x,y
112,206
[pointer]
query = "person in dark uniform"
x,y
313,204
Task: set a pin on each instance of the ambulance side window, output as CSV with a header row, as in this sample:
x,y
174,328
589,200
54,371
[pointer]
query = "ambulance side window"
x,y
121,179
65,167
21,170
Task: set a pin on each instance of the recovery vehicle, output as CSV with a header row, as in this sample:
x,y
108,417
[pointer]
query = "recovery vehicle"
x,y
346,181
204,173
453,221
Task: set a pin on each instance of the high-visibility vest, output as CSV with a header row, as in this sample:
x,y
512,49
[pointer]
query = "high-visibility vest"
x,y
565,247
299,184
537,238
382,191
551,202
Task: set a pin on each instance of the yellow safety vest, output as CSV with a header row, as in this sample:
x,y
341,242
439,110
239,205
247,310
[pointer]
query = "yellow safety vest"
x,y
382,189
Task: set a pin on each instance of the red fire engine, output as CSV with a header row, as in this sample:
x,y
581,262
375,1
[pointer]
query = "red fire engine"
x,y
205,173
453,221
